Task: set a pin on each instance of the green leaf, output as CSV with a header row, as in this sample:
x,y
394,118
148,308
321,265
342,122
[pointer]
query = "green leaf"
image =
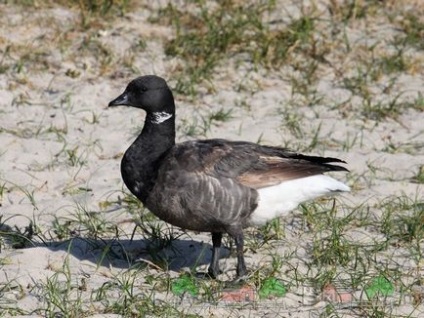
x,y
272,287
184,284
379,286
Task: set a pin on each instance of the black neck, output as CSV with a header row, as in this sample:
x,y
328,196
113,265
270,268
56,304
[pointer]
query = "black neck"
x,y
139,164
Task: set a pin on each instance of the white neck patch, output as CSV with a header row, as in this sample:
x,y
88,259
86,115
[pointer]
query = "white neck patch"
x,y
160,117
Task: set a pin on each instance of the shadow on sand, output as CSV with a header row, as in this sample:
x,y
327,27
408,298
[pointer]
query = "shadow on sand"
x,y
124,253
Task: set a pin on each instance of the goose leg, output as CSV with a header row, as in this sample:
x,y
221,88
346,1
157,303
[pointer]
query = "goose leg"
x,y
214,270
241,265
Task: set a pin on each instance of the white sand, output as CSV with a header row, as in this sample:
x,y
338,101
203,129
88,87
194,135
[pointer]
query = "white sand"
x,y
46,116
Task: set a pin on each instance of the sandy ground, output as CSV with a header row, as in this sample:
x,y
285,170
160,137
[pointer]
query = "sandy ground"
x,y
61,148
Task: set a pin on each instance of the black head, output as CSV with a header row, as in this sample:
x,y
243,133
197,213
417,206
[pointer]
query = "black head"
x,y
149,92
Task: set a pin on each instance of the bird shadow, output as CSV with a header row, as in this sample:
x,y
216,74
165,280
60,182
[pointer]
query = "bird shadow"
x,y
167,254
172,255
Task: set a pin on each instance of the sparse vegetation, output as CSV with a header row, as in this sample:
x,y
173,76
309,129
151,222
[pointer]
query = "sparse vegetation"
x,y
335,76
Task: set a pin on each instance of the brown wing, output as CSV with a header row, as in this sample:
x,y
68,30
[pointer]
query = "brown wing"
x,y
270,170
252,165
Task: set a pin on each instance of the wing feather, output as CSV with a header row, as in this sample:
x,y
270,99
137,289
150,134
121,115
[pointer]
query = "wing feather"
x,y
253,165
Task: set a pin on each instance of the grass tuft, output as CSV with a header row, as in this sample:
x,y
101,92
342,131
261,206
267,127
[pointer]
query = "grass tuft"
x,y
231,28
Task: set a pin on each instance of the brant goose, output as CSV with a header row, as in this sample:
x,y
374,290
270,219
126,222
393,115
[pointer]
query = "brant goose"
x,y
215,185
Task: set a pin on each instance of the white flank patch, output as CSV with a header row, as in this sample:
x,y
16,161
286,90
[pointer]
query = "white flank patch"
x,y
280,199
160,117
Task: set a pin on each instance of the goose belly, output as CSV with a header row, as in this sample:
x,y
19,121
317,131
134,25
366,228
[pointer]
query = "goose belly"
x,y
170,210
280,199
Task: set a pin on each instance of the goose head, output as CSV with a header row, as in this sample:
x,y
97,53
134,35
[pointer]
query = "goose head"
x,y
150,93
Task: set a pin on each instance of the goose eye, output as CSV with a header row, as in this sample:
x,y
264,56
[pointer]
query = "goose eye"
x,y
143,88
